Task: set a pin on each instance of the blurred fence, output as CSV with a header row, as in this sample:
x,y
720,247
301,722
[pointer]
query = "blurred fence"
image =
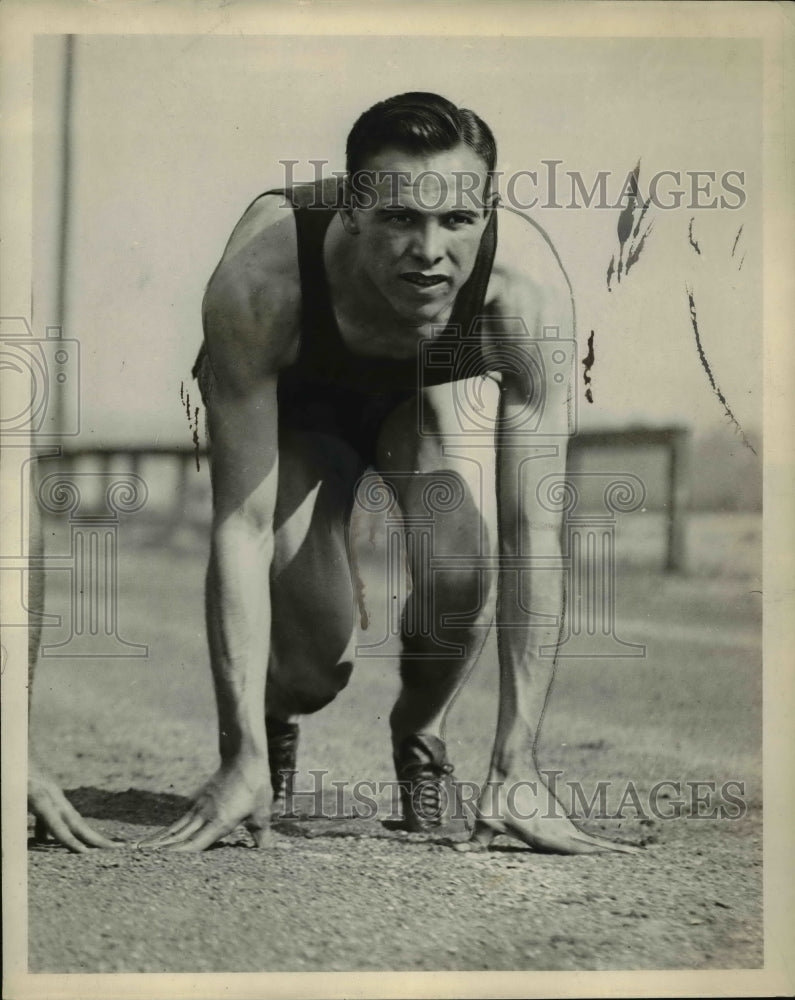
x,y
176,498
674,445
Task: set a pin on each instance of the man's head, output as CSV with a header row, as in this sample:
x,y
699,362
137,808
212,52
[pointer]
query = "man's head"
x,y
418,200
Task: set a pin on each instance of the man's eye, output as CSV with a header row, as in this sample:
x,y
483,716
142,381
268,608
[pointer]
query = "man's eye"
x,y
401,220
460,220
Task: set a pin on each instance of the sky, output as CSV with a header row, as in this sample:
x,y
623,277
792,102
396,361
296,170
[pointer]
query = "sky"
x,y
173,136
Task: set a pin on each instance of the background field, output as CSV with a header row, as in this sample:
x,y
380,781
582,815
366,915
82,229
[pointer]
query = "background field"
x,y
131,738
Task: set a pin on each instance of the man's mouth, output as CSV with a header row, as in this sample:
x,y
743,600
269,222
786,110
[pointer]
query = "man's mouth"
x,y
420,280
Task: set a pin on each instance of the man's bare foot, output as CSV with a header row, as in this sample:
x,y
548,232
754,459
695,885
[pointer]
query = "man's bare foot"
x,y
527,811
57,817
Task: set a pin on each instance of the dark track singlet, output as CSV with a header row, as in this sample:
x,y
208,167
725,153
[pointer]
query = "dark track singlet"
x,y
331,390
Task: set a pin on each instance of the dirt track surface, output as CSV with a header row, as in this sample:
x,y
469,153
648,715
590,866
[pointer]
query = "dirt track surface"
x,y
131,738
360,902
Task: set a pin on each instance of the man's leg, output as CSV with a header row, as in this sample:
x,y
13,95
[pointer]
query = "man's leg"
x,y
446,494
312,593
428,470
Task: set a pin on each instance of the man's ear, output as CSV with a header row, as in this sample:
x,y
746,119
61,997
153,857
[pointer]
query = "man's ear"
x,y
347,212
349,221
491,202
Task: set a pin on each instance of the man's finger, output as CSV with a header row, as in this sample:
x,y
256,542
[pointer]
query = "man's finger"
x,y
263,836
177,835
61,832
260,828
579,842
602,845
205,837
89,835
481,837
177,827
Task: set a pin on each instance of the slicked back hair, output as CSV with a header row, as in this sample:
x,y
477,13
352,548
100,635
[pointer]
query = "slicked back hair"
x,y
418,123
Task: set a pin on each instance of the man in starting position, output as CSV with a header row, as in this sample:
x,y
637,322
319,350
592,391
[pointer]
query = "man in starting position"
x,y
320,327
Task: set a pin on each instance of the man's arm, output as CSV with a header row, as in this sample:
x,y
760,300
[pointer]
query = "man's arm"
x,y
240,396
530,574
516,801
55,815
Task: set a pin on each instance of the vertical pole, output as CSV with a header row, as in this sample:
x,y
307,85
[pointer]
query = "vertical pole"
x,y
678,500
180,507
573,470
65,208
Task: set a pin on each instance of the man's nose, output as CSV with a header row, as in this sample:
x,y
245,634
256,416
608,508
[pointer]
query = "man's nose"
x,y
428,245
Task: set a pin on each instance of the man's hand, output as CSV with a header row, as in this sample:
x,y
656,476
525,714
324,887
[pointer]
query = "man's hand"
x,y
55,815
238,792
528,811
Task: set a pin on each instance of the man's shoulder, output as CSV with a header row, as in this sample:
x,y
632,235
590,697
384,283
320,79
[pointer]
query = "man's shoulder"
x,y
254,294
528,276
267,217
263,244
268,224
259,271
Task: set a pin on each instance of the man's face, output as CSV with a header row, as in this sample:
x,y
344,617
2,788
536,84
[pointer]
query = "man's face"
x,y
419,220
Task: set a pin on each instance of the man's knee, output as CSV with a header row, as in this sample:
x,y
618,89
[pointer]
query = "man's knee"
x,y
304,695
447,611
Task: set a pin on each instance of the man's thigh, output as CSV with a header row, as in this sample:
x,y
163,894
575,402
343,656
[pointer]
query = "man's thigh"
x,y
317,482
313,594
437,451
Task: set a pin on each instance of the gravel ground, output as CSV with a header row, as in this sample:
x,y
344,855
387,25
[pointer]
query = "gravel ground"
x,y
130,739
342,899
